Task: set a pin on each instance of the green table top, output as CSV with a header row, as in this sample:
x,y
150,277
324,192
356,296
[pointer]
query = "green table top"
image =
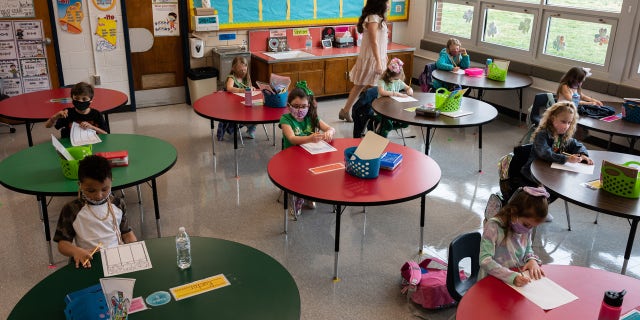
x,y
37,170
261,288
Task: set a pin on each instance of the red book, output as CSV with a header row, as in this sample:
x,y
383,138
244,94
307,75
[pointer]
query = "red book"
x,y
116,158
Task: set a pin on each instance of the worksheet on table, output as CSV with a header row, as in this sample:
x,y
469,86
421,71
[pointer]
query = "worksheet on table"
x,y
125,258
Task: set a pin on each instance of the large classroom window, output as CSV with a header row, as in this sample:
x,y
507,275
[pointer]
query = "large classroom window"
x,y
556,33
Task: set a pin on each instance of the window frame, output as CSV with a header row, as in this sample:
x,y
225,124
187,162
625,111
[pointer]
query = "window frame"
x,y
509,51
445,36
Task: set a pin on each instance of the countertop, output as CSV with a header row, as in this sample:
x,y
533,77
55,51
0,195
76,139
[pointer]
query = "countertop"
x,y
322,53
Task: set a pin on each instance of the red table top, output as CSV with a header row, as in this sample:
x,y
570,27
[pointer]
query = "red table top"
x,y
492,299
39,105
226,106
415,176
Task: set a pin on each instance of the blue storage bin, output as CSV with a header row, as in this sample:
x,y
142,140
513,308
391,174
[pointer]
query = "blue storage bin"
x,y
367,169
278,100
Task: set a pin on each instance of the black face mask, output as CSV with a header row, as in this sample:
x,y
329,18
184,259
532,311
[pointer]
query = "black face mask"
x,y
81,105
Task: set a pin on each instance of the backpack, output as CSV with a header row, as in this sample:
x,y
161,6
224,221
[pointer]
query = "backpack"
x,y
594,111
426,79
428,286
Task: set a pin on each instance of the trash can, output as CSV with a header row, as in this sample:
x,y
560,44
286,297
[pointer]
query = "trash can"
x,y
201,81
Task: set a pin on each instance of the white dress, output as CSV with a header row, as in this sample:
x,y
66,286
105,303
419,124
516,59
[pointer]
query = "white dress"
x,y
363,72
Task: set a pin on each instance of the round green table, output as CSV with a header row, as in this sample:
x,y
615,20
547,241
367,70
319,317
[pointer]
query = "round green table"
x,y
37,170
261,288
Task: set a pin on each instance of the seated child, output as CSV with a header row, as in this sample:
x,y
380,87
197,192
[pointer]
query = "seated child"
x,y
87,118
302,125
505,247
571,83
452,58
94,217
390,85
238,81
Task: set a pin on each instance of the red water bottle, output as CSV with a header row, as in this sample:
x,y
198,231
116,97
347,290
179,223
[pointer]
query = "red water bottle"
x,y
611,305
248,97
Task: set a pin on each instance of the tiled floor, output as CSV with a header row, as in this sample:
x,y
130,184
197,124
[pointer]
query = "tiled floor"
x,y
202,194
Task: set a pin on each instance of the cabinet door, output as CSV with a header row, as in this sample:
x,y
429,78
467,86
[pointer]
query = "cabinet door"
x,y
336,76
315,80
350,63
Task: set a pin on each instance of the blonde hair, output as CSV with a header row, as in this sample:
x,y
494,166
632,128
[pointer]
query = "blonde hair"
x,y
241,60
453,41
552,113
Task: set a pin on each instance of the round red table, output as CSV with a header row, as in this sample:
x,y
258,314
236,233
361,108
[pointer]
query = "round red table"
x,y
229,107
491,299
41,105
416,176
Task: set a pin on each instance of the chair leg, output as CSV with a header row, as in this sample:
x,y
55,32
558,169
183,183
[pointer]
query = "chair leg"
x,y
566,210
404,143
265,131
240,135
596,221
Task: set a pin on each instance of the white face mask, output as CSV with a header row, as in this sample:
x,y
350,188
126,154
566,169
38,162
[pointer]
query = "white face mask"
x,y
96,202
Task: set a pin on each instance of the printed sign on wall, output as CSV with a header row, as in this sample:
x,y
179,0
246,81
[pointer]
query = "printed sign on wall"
x,y
71,15
106,30
23,61
17,9
165,18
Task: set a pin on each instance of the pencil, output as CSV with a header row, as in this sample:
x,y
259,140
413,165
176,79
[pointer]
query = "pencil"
x,y
92,252
567,154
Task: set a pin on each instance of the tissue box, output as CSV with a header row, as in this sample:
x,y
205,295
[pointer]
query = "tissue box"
x,y
390,160
116,158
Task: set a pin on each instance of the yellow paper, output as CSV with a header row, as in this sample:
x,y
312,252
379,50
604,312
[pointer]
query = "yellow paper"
x,y
200,286
412,109
107,29
300,31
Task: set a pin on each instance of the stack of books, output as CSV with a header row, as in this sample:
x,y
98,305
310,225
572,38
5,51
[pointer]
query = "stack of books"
x,y
390,160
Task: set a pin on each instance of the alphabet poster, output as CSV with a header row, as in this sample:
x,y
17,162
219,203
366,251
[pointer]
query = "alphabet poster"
x,y
165,18
23,60
17,9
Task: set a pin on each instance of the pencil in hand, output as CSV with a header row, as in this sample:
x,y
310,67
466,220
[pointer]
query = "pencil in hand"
x,y
84,264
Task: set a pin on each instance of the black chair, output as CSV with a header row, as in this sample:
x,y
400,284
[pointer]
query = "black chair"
x,y
464,246
541,102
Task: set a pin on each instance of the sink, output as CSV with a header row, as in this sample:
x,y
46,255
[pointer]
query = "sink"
x,y
293,54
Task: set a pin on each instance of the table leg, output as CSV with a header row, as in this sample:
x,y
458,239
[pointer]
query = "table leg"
x,y
156,207
140,203
480,148
213,137
286,208
45,220
632,143
519,93
480,94
422,209
274,135
627,251
337,244
106,121
427,141
609,142
28,125
235,145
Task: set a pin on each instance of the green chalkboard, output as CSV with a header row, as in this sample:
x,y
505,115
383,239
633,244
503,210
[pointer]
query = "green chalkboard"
x,y
245,14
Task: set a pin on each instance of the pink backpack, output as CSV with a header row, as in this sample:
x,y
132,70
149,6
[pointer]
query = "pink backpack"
x,y
429,285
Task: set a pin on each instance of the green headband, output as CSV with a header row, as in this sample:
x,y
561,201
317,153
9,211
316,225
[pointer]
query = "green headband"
x,y
302,84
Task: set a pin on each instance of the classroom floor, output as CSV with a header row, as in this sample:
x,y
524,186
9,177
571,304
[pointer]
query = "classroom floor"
x,y
202,194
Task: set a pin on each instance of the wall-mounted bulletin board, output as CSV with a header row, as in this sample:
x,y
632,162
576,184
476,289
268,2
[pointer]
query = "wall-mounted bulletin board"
x,y
244,14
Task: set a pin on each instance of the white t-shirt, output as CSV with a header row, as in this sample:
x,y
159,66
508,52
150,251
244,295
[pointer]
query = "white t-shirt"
x,y
91,229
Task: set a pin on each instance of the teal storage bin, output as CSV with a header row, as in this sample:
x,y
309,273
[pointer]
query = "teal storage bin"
x,y
367,169
278,100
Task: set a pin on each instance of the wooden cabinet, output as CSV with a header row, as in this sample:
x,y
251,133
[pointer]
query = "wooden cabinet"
x,y
326,77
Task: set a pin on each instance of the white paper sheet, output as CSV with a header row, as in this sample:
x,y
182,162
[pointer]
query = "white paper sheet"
x,y
456,114
575,167
546,293
404,99
318,147
253,93
81,137
125,258
460,71
60,148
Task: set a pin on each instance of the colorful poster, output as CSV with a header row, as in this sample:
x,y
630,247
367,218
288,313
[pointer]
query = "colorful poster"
x,y
17,9
36,84
12,87
28,30
33,67
8,50
70,15
106,31
9,69
30,49
165,19
6,30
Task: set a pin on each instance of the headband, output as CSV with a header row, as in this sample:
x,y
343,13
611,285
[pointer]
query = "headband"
x,y
302,84
536,191
395,65
587,72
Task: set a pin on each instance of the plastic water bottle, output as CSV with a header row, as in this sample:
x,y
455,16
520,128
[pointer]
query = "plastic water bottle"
x,y
486,66
183,249
575,98
611,305
247,97
308,44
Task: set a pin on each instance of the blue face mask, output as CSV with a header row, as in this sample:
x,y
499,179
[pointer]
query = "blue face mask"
x,y
519,228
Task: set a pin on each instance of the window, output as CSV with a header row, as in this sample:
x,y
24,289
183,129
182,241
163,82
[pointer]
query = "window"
x,y
578,40
453,19
596,5
508,28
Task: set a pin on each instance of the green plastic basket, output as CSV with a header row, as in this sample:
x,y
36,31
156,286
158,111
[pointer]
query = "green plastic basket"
x,y
447,105
496,73
620,180
70,167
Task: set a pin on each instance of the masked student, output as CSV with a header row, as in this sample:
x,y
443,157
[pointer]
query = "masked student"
x,y
81,113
